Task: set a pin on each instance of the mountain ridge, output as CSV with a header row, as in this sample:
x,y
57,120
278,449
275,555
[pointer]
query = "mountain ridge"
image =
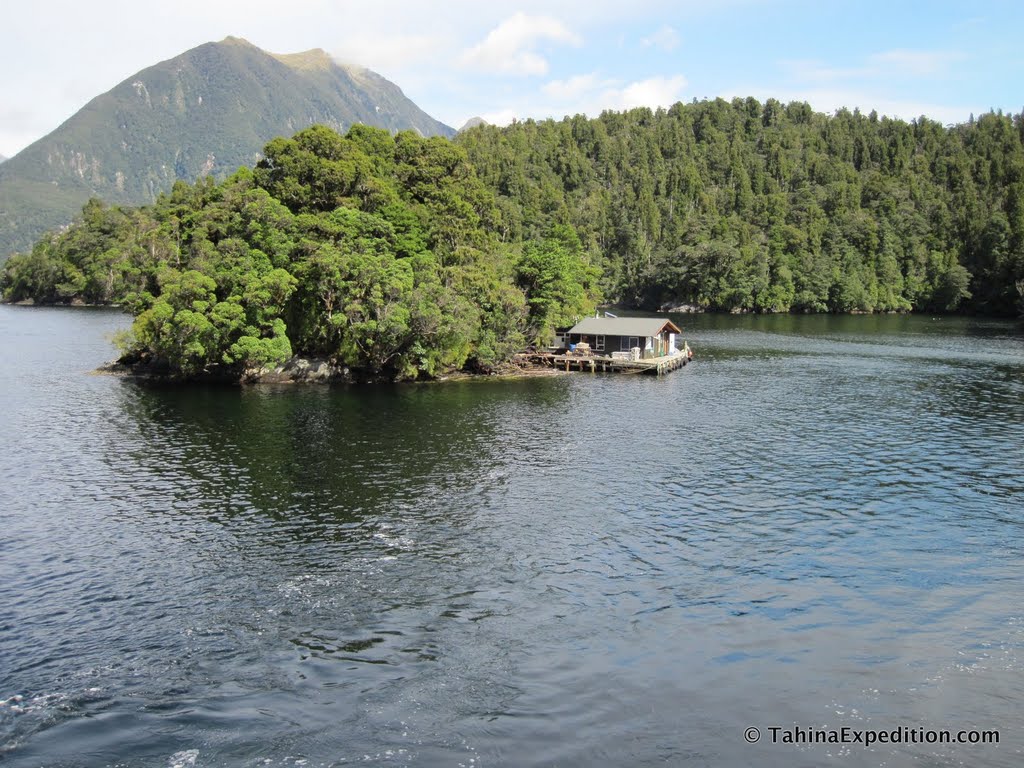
x,y
206,111
473,122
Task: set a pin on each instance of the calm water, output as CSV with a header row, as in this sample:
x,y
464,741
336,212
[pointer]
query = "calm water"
x,y
820,523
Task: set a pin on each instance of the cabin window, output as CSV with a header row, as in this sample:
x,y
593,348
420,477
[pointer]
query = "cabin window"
x,y
599,343
634,341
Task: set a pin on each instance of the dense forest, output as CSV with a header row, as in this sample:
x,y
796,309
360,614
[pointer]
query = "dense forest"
x,y
379,252
405,257
206,111
744,206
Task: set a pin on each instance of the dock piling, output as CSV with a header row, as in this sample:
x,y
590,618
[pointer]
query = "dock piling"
x,y
657,366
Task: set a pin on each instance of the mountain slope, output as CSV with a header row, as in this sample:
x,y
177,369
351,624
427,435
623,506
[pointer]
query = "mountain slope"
x,y
473,122
207,111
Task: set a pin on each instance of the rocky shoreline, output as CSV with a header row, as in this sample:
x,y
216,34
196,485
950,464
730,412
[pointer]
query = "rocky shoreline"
x,y
302,370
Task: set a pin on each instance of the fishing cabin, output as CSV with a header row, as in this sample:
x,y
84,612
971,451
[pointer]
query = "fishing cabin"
x,y
653,336
615,345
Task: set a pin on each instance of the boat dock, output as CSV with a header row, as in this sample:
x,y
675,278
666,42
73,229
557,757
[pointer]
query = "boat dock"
x,y
613,344
657,366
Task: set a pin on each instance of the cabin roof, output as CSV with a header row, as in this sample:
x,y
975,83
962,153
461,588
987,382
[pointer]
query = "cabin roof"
x,y
624,326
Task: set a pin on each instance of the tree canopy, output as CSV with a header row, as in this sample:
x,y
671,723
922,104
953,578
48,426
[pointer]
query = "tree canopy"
x,y
379,252
743,206
405,257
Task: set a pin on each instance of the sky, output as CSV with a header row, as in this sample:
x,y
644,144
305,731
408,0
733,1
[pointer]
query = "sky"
x,y
515,60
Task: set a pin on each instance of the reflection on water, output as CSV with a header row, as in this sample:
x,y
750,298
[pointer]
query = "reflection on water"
x,y
817,524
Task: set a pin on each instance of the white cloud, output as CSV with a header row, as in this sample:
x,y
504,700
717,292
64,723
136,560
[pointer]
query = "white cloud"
x,y
389,54
654,92
510,48
574,87
501,116
666,38
590,94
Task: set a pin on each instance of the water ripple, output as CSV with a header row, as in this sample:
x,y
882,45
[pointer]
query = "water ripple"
x,y
817,524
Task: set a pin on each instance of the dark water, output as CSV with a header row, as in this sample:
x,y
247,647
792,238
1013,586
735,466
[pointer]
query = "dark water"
x,y
820,523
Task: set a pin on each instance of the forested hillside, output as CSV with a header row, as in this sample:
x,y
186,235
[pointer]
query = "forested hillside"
x,y
381,253
205,112
774,208
405,257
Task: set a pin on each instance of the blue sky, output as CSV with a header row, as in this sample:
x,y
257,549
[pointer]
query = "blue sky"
x,y
543,59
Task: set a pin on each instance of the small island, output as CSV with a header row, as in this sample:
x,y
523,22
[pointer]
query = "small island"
x,y
375,256
364,257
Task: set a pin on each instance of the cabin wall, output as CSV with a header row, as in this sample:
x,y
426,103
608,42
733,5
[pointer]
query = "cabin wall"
x,y
611,343
651,346
658,345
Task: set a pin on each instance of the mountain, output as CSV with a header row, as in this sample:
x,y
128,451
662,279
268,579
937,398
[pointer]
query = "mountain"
x,y
2,158
473,122
207,111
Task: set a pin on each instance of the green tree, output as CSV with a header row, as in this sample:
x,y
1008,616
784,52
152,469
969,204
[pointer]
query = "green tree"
x,y
559,284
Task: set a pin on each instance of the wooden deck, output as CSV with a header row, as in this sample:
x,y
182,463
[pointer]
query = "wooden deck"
x,y
656,366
